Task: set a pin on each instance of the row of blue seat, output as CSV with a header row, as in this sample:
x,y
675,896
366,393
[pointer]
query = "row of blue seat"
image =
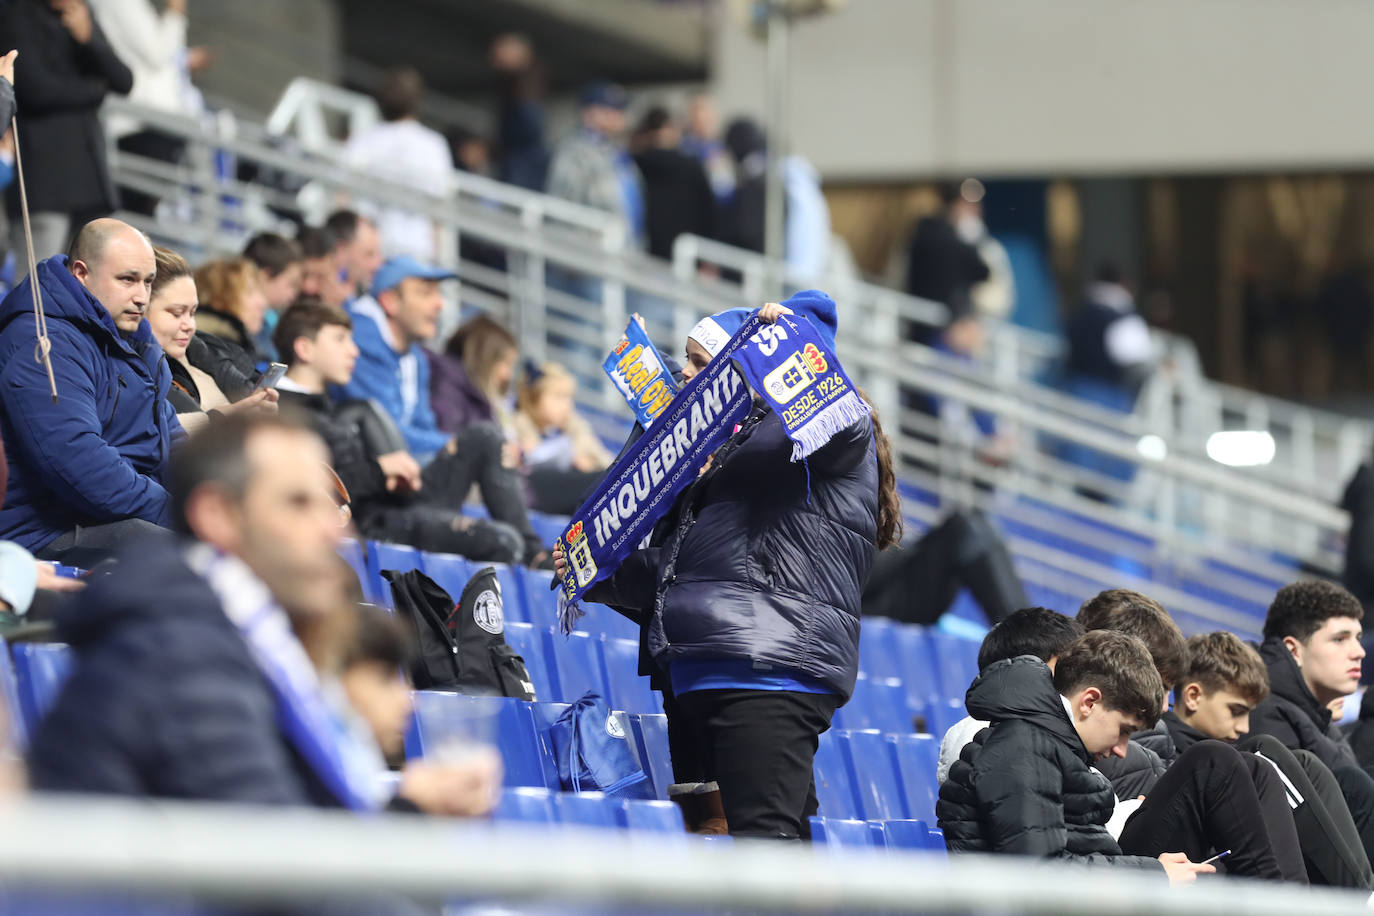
x,y
847,834
589,809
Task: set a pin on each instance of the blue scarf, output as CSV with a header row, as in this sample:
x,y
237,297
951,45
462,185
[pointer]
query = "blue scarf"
x,y
788,363
303,712
639,375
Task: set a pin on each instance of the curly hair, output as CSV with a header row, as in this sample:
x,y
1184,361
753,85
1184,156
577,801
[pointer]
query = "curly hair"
x,y
1301,608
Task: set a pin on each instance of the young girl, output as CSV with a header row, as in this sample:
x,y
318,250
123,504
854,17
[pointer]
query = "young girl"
x,y
563,457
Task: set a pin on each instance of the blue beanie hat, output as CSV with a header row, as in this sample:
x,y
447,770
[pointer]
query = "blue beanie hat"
x,y
819,308
715,332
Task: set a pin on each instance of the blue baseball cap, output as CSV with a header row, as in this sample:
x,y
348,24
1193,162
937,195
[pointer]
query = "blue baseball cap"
x,y
608,95
390,274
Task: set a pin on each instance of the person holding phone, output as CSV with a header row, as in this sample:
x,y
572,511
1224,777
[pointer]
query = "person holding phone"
x,y
231,313
172,310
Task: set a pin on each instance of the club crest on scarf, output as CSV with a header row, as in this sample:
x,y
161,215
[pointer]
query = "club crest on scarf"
x,y
790,367
639,375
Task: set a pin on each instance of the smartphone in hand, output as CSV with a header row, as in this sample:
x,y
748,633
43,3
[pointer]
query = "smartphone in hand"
x,y
270,377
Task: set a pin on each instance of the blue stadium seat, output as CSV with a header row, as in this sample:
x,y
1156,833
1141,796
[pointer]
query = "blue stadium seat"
x,y
589,809
600,620
651,741
541,604
40,670
352,552
545,714
956,660
68,572
574,665
399,557
549,528
452,572
516,737
878,650
652,817
834,785
917,661
841,833
628,691
512,595
942,715
877,703
9,686
916,758
528,643
531,806
913,835
875,774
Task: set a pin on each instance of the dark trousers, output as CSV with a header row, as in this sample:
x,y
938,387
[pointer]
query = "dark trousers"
x,y
1357,787
152,144
444,530
561,491
477,460
90,544
760,746
1330,842
1207,802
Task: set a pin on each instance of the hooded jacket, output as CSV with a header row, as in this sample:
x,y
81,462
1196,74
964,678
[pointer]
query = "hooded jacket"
x,y
165,699
1026,784
99,453
760,570
1292,714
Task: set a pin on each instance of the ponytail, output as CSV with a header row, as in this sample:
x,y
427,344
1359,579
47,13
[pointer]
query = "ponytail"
x,y
889,503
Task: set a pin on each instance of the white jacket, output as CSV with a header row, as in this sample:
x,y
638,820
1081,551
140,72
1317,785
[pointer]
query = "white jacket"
x,y
153,46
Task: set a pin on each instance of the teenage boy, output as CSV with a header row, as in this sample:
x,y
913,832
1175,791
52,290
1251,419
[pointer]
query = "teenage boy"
x,y
1027,786
392,498
1034,631
1224,682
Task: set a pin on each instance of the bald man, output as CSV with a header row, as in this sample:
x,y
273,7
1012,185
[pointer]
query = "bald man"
x,y
85,472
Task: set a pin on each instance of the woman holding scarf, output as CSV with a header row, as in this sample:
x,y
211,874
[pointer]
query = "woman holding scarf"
x,y
757,596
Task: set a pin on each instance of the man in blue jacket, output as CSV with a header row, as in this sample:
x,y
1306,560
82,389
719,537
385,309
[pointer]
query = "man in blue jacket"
x,y
85,469
388,328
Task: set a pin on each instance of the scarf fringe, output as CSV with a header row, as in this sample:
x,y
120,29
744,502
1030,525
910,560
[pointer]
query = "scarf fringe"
x,y
569,613
831,420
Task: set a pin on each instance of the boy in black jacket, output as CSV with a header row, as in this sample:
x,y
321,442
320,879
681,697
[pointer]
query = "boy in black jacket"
x,y
1026,785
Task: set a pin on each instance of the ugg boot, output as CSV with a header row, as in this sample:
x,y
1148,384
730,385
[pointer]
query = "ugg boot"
x,y
701,807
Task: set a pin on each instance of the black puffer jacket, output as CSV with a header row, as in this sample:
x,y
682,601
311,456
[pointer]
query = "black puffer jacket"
x,y
758,570
1026,784
1292,714
1136,773
1361,733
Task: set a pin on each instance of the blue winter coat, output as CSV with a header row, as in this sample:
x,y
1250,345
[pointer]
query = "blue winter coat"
x,y
756,570
165,700
99,453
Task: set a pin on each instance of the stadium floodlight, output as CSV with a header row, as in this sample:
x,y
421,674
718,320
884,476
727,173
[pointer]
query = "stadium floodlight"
x,y
1152,447
1241,448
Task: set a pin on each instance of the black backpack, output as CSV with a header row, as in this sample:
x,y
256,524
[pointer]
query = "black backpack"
x,y
459,646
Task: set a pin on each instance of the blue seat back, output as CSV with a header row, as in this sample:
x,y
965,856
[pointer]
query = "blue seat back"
x,y
879,703
516,737
575,665
878,650
600,620
916,758
589,809
541,604
956,660
841,833
941,716
531,806
875,774
352,552
512,594
620,666
651,741
652,817
545,714
528,643
549,528
451,573
914,835
834,785
40,670
917,661
18,736
399,557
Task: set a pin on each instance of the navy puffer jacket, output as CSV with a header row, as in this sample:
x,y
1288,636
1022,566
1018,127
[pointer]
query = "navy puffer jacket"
x,y
756,570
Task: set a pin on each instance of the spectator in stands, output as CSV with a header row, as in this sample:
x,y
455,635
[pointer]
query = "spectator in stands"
x,y
1023,781
232,306
392,498
1223,683
702,141
592,167
393,369
321,276
943,266
190,681
470,382
357,249
172,310
373,674
402,151
1313,653
523,153
280,262
756,730
562,456
69,67
153,45
1109,343
677,195
86,471
1034,631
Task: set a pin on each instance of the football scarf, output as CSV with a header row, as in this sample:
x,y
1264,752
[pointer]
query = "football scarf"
x,y
639,375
